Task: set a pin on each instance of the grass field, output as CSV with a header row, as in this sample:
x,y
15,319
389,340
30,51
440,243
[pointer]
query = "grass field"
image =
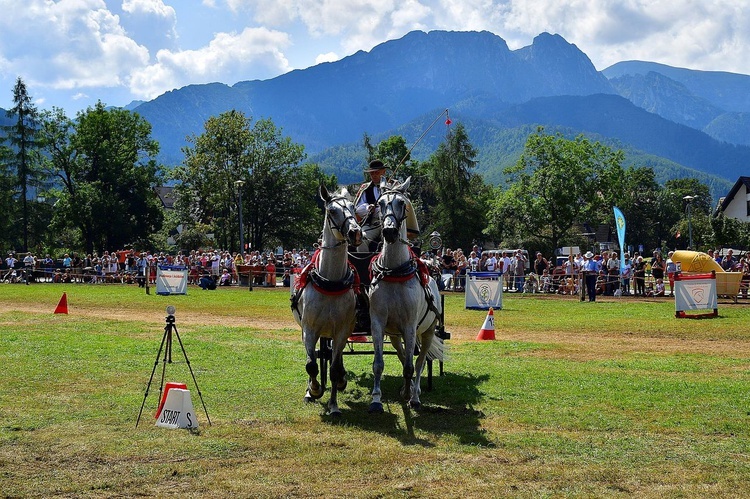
x,y
614,398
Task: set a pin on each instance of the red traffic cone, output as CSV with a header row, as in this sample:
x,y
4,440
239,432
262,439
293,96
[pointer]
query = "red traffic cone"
x,y
62,307
488,329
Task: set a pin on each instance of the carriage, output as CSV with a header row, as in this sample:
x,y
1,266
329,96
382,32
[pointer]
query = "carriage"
x,y
360,341
405,304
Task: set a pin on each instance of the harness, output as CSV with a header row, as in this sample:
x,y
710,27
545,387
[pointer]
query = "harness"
x,y
311,275
407,270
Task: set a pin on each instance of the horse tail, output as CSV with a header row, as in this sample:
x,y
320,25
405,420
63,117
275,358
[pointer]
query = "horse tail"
x,y
438,350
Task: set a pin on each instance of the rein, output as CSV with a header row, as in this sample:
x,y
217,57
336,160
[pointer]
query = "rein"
x,y
333,225
311,273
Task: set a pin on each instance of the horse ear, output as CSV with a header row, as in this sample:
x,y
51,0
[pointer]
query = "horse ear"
x,y
323,192
402,187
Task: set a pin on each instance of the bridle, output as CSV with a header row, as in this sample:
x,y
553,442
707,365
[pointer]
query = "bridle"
x,y
341,203
388,209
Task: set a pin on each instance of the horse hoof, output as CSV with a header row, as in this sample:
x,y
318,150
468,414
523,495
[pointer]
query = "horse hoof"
x,y
341,386
415,405
376,408
335,414
315,395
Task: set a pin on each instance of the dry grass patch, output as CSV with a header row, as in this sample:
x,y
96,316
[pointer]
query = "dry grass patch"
x,y
608,400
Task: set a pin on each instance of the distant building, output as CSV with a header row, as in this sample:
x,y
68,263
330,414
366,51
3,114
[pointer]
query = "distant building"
x,y
166,196
736,204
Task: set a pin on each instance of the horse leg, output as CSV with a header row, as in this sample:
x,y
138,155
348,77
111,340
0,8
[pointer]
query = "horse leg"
x,y
314,389
376,331
424,348
399,347
410,340
338,377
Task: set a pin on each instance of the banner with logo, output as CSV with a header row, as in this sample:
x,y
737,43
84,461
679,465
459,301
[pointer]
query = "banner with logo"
x,y
484,290
620,224
695,292
171,282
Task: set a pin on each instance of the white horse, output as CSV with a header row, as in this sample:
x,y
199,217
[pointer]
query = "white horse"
x,y
400,305
323,304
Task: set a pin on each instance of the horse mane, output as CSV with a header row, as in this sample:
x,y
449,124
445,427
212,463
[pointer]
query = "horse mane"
x,y
342,193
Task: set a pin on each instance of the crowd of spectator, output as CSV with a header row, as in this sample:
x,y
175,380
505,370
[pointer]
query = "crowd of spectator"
x,y
637,276
208,268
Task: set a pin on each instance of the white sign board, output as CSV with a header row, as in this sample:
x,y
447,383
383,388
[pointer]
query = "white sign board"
x,y
484,290
171,282
178,410
696,292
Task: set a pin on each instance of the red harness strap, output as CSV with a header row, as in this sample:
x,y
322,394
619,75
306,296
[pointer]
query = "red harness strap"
x,y
304,277
421,270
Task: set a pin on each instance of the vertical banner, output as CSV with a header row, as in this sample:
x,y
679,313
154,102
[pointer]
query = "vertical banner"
x,y
620,224
484,290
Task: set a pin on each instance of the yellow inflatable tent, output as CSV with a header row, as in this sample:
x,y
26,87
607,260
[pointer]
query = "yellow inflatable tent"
x,y
696,262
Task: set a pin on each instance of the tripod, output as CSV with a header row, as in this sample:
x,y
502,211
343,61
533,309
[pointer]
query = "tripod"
x,y
167,340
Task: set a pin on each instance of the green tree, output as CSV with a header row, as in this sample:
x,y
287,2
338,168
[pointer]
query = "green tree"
x,y
461,196
556,184
681,192
7,205
21,136
278,201
640,197
105,164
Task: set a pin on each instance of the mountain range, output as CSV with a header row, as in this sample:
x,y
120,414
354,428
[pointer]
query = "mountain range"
x,y
681,122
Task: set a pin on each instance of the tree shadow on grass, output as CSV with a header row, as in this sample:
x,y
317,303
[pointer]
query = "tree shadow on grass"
x,y
448,409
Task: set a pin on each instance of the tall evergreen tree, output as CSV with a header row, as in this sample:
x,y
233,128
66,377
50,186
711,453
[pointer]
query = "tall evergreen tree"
x,y
21,136
462,197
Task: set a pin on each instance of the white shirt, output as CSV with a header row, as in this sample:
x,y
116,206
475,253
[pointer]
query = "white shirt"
x,y
491,264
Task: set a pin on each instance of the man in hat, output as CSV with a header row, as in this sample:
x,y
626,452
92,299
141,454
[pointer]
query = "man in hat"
x,y
366,201
366,207
590,269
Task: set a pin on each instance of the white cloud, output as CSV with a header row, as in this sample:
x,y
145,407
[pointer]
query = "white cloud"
x,y
155,7
67,44
329,57
701,35
254,53
91,49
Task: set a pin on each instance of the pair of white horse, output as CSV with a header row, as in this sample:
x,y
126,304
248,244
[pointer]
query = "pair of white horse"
x,y
401,307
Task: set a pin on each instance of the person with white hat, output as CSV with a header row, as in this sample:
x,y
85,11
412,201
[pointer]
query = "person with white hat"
x,y
590,270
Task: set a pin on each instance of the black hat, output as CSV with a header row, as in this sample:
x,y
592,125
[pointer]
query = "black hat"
x,y
374,166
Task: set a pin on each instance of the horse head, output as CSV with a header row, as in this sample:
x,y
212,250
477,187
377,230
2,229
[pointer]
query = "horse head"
x,y
393,205
340,215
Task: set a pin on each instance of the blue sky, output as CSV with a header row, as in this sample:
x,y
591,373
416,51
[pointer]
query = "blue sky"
x,y
72,53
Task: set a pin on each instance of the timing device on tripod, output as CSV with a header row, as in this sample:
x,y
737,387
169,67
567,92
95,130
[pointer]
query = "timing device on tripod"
x,y
170,331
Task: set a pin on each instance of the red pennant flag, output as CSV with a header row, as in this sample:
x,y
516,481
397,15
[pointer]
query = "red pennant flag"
x,y
448,121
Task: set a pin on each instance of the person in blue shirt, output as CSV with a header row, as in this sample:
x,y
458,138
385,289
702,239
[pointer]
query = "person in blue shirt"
x,y
590,269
